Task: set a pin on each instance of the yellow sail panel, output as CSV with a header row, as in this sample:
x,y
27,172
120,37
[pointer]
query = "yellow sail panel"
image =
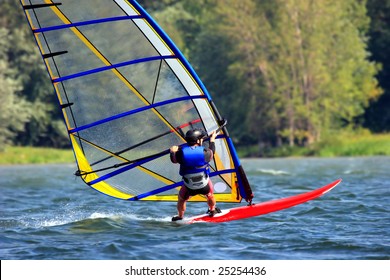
x,y
101,186
198,198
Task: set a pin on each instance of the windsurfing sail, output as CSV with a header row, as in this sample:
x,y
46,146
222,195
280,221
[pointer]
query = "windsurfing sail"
x,y
127,94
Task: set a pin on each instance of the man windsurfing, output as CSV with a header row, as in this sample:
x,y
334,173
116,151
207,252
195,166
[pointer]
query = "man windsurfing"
x,y
194,168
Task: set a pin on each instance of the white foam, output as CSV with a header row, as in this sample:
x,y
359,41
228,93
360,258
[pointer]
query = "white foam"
x,y
273,172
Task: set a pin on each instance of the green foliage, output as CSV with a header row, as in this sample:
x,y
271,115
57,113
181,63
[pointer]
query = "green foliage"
x,y
283,72
354,144
377,117
346,143
14,112
30,112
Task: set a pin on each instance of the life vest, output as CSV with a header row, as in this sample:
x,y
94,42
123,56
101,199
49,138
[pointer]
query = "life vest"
x,y
194,168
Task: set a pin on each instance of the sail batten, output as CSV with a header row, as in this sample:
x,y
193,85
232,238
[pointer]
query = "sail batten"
x,y
83,23
38,6
110,67
146,141
127,94
138,110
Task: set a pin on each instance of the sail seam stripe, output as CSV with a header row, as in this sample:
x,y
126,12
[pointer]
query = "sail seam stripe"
x,y
83,23
152,106
156,191
138,163
113,66
128,167
134,161
177,184
146,141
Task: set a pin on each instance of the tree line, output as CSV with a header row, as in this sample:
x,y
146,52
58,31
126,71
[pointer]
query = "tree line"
x,y
283,72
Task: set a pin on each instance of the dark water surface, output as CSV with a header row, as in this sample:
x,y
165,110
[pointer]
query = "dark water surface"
x,y
47,213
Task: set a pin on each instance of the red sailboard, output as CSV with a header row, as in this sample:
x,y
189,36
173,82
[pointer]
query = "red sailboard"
x,y
254,210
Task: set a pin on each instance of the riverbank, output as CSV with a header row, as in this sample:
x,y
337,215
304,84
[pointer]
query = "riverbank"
x,y
35,155
339,145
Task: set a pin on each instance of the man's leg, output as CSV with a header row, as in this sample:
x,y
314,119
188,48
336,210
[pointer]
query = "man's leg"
x,y
181,207
210,197
181,203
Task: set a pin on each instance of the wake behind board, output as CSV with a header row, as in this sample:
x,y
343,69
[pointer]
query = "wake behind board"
x,y
254,210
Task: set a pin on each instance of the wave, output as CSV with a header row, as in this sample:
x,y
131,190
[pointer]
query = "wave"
x,y
272,172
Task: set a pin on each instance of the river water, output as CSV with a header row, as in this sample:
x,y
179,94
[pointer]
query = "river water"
x,y
49,214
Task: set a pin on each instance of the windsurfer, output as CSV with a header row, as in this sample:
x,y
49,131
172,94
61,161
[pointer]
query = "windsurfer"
x,y
194,168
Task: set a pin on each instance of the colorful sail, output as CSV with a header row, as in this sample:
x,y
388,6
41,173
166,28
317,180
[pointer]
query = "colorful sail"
x,y
127,94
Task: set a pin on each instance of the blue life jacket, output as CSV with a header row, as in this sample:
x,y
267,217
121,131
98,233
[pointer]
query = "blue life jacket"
x,y
193,161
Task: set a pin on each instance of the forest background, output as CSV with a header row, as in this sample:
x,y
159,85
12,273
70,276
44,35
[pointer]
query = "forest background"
x,y
293,77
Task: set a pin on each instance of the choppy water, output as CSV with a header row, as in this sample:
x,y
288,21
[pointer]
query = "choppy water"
x,y
47,213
